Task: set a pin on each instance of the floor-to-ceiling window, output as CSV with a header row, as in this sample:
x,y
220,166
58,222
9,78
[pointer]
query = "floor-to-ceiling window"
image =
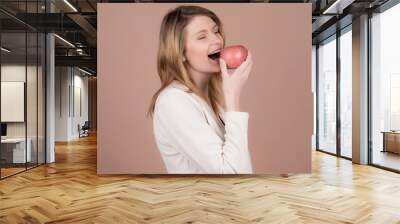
x,y
326,136
22,88
345,61
385,88
314,93
334,93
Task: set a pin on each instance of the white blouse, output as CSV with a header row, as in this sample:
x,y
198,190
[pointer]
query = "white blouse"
x,y
192,140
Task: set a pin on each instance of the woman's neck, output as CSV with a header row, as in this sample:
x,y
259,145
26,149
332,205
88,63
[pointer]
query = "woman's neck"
x,y
201,80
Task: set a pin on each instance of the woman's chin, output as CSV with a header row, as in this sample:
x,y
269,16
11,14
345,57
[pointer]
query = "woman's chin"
x,y
213,71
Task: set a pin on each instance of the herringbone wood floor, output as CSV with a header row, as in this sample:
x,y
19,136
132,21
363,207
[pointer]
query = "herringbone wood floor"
x,y
69,191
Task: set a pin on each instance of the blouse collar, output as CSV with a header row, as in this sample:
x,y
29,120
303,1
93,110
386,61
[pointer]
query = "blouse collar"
x,y
207,109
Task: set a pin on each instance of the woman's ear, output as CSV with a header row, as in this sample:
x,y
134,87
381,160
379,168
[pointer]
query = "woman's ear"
x,y
184,59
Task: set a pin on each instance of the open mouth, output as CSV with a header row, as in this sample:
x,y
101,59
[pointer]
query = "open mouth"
x,y
214,56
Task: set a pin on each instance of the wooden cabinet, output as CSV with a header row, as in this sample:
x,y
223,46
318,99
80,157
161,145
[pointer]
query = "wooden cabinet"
x,y
391,142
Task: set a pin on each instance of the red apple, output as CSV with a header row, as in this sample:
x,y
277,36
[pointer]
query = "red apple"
x,y
234,55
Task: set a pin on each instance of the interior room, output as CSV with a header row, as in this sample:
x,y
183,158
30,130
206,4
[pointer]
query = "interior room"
x,y
53,119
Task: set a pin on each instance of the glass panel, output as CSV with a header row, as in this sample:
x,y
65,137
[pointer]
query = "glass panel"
x,y
13,87
41,98
346,93
327,96
385,88
31,100
314,93
22,87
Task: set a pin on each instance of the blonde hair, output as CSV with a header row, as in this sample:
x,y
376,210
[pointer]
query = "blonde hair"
x,y
170,66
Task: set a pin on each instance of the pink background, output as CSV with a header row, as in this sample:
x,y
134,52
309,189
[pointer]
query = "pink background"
x,y
277,95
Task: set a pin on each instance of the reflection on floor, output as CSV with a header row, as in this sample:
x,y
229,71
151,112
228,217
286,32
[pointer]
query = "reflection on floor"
x,y
347,152
386,159
13,169
70,191
10,171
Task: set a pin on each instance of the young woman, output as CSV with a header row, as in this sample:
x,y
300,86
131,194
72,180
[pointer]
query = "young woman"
x,y
198,125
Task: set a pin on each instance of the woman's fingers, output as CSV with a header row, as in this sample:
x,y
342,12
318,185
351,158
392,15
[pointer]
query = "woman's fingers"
x,y
245,64
248,60
233,85
224,70
247,70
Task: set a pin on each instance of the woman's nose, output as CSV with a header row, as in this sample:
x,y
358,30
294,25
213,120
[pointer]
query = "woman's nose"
x,y
217,39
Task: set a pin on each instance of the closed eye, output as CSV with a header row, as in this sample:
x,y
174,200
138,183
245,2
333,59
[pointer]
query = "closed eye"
x,y
202,37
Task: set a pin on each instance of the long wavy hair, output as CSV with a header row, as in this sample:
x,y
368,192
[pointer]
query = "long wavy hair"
x,y
170,65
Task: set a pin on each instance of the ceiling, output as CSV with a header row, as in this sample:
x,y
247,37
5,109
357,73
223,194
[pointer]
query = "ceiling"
x,y
76,22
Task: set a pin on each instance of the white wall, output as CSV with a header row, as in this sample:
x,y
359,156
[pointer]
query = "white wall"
x,y
62,80
68,83
15,72
9,73
80,83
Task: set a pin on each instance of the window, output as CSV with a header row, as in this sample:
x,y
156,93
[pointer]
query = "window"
x,y
327,95
22,65
346,92
385,88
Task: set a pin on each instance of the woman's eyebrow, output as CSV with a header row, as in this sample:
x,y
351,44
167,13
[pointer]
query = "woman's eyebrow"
x,y
204,30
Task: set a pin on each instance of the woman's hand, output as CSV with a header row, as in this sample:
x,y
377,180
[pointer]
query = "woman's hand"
x,y
233,83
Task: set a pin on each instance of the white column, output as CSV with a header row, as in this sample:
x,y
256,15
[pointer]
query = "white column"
x,y
50,110
50,91
360,90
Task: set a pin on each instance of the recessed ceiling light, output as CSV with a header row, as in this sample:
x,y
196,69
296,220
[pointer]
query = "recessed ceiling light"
x,y
70,5
338,6
86,72
5,50
64,40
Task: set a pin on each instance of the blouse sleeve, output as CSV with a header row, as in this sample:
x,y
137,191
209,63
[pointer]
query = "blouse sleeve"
x,y
186,129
